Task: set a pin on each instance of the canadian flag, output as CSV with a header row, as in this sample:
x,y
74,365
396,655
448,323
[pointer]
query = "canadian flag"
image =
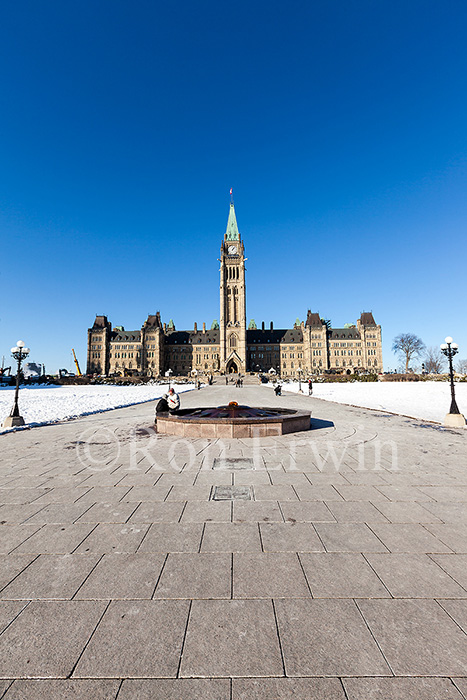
x,y
231,190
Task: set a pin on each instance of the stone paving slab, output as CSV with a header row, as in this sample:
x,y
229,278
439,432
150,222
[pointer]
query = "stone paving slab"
x,y
287,689
409,537
51,577
453,536
111,538
457,609
11,565
401,689
59,513
461,684
173,537
108,513
268,575
417,637
348,567
231,537
47,638
211,511
231,638
414,576
122,576
357,512
342,575
455,565
401,512
136,639
307,511
327,638
8,612
264,511
63,690
180,689
157,513
290,537
14,514
349,537
55,539
196,576
12,536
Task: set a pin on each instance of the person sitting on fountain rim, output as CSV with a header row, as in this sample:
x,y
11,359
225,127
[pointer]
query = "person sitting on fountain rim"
x,y
169,402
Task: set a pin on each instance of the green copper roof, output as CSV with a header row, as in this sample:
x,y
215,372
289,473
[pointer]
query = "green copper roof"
x,y
231,233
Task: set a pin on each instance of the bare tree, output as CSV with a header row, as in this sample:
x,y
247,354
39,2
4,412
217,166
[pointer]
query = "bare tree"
x,y
462,366
434,360
408,346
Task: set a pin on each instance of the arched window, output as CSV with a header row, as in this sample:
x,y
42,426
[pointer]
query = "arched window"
x,y
233,341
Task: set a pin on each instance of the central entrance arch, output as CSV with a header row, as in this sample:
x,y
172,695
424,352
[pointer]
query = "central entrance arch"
x,y
232,367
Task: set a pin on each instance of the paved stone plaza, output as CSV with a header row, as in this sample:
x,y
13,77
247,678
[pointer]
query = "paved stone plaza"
x,y
339,572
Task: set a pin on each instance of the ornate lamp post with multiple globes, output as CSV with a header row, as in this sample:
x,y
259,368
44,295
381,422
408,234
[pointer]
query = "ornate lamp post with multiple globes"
x,y
19,353
454,419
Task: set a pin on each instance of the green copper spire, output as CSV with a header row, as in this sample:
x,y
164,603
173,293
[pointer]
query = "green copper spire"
x,y
231,233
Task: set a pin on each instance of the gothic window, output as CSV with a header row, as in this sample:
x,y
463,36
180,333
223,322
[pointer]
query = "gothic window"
x,y
233,341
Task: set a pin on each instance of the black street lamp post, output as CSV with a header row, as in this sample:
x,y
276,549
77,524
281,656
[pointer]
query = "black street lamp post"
x,y
19,352
454,418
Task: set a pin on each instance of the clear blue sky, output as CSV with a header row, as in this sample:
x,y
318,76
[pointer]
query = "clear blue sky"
x,y
340,125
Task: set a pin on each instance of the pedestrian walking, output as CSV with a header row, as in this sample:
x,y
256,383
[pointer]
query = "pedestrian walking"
x,y
310,387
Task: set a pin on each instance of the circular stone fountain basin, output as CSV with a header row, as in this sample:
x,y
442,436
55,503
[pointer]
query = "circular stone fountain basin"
x,y
232,421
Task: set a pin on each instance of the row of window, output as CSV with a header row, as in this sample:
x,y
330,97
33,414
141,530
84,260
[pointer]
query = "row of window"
x,y
345,345
347,352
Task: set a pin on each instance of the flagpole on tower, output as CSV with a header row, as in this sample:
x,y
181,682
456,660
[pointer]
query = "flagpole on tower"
x,y
231,195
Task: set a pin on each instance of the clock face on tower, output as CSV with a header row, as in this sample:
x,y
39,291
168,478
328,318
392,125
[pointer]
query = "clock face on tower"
x,y
232,250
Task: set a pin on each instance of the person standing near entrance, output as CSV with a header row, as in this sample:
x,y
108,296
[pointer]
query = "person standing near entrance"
x,y
310,387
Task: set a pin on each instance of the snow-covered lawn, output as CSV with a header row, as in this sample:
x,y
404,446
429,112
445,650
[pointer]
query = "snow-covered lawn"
x,y
47,404
424,400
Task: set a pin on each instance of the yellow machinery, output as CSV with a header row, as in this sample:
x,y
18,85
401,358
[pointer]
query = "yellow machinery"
x,y
77,364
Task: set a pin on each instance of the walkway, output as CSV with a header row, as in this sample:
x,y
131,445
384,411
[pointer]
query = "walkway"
x,y
338,573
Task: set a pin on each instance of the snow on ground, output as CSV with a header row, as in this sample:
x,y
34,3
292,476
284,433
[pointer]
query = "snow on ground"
x,y
49,404
425,400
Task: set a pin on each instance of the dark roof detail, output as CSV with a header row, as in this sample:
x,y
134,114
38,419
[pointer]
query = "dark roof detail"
x,y
193,337
276,335
153,321
366,319
101,322
125,336
343,333
313,320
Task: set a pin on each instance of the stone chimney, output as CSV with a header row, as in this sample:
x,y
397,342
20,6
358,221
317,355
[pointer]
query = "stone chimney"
x,y
262,325
272,326
165,328
204,326
196,327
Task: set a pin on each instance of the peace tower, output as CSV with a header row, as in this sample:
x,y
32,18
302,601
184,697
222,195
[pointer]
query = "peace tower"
x,y
233,346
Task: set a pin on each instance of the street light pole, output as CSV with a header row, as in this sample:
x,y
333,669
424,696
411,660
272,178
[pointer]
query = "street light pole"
x,y
454,419
14,419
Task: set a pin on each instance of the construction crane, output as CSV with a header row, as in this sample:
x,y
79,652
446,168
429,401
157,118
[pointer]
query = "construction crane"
x,y
80,374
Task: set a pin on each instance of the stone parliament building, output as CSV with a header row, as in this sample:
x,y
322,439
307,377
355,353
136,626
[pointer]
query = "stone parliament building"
x,y
229,346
